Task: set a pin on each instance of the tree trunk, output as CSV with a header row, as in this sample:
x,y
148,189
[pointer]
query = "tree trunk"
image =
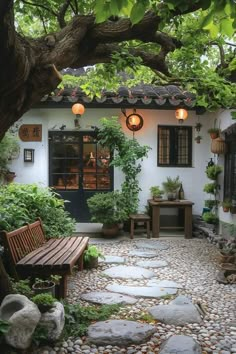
x,y
5,284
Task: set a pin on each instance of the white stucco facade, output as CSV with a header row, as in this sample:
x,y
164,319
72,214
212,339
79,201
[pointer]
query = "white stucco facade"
x,y
193,178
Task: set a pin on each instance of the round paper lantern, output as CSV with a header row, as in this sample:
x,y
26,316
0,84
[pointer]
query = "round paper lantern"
x,y
181,114
78,108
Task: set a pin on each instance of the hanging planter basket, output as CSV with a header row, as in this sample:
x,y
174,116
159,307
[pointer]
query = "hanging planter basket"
x,y
218,146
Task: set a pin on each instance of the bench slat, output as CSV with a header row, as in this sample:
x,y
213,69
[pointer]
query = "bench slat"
x,y
78,250
38,252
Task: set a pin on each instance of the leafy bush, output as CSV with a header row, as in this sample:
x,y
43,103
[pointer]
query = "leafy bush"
x,y
210,218
210,188
4,327
10,148
107,208
22,287
23,203
210,203
92,252
78,318
156,191
212,172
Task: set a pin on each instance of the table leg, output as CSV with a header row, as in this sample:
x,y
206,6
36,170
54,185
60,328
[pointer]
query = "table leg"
x,y
155,220
188,221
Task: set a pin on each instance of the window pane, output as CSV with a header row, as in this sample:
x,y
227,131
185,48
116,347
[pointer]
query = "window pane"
x,y
104,182
182,146
164,146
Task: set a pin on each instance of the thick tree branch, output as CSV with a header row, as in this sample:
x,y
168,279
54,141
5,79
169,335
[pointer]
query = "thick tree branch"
x,y
40,5
62,12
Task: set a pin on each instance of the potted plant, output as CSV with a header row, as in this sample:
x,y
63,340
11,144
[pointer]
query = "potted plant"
x,y
227,252
210,218
156,193
198,126
214,132
210,203
46,285
171,186
44,301
226,205
91,255
10,149
210,188
109,210
198,139
212,172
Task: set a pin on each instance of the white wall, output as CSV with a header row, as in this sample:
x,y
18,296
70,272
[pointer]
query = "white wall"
x,y
224,120
193,178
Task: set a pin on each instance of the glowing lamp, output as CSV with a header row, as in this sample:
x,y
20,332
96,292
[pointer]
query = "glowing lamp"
x,y
181,114
77,109
134,122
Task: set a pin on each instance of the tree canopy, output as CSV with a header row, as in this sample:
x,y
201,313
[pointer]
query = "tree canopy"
x,y
188,43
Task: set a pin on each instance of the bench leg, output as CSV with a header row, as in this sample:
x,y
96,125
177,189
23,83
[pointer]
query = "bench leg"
x,y
63,287
148,229
81,262
132,229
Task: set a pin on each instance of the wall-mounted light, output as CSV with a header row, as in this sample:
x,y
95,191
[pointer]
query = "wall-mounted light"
x,y
181,114
28,155
77,109
134,121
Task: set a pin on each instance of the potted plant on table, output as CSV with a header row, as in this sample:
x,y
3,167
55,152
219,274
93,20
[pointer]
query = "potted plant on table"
x,y
170,186
91,255
108,209
198,139
156,193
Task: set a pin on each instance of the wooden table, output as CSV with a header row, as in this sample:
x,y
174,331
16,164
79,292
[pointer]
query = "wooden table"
x,y
185,204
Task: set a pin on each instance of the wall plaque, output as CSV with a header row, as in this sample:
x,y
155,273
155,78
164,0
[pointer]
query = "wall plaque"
x,y
30,132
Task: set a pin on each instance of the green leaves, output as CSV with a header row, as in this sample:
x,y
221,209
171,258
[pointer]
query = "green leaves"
x,y
138,11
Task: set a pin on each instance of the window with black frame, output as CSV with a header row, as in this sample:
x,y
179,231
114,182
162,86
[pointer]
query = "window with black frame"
x,y
174,146
230,166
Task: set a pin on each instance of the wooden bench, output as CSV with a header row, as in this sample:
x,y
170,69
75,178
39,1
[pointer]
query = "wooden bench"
x,y
139,218
32,255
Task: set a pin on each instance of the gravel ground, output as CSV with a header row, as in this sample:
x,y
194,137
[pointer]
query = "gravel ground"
x,y
191,263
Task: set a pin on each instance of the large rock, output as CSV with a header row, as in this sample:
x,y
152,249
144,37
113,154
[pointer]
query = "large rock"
x,y
119,332
128,272
53,320
178,312
112,259
23,316
108,298
181,345
152,245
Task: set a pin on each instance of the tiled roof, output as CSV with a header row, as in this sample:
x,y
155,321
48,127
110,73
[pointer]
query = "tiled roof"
x,y
141,95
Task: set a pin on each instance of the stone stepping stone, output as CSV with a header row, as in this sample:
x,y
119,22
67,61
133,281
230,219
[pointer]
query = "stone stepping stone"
x,y
164,284
143,253
178,312
141,291
180,344
129,272
153,245
119,332
112,259
108,298
152,264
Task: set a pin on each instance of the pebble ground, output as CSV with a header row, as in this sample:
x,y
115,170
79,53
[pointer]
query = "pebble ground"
x,y
192,263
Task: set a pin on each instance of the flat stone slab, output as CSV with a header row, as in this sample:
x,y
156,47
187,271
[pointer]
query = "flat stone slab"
x,y
112,259
143,253
180,344
108,298
141,291
153,245
128,272
119,332
164,284
178,312
152,264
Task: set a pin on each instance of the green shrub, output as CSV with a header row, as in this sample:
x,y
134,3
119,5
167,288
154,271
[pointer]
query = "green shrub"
x,y
43,299
78,318
210,203
212,172
210,218
22,287
23,203
4,327
210,188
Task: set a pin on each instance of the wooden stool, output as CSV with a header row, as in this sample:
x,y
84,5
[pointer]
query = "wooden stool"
x,y
135,218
